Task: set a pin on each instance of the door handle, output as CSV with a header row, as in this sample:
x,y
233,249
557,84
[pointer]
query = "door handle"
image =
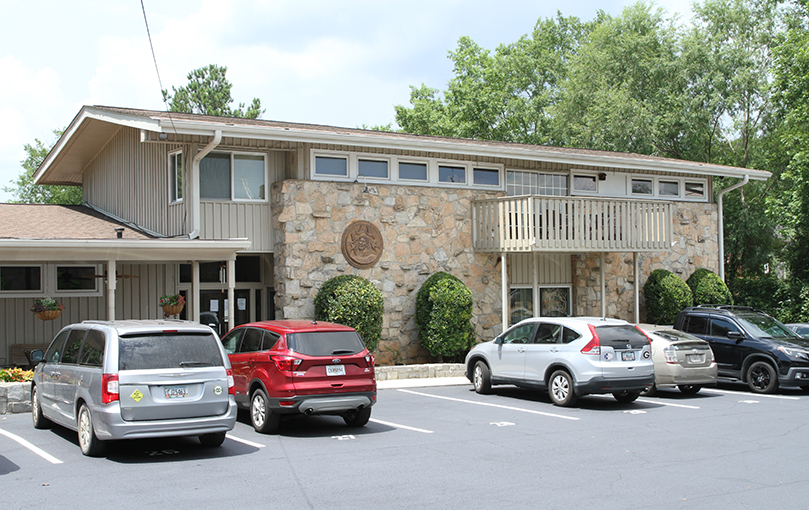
x,y
521,349
554,349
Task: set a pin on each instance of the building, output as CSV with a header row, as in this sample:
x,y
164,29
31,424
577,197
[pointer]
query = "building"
x,y
247,218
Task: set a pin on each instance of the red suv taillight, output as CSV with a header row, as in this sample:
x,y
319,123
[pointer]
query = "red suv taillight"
x,y
231,383
593,347
286,363
109,388
369,360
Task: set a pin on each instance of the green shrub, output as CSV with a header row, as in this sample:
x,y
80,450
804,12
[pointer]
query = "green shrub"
x,y
352,301
666,294
444,316
708,289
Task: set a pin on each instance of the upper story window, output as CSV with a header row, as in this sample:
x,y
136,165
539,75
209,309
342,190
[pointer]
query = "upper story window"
x,y
233,176
585,183
368,168
176,176
521,182
681,188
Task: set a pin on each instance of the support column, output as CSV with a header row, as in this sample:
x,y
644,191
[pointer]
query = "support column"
x,y
637,288
504,287
196,306
603,288
112,281
231,294
535,283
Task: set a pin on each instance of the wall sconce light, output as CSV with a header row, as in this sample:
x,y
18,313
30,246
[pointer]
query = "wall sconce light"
x,y
602,176
163,136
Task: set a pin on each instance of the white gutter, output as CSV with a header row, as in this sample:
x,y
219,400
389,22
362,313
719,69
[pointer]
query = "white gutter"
x,y
195,205
722,225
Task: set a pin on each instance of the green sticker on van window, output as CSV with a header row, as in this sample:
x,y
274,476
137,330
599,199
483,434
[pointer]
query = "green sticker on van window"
x,y
136,395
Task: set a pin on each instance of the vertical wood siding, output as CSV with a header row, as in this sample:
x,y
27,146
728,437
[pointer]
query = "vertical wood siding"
x,y
554,268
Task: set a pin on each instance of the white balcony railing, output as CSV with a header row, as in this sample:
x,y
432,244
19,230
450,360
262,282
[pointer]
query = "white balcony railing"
x,y
566,224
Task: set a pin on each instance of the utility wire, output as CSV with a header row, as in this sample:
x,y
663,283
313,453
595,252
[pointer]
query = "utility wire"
x,y
154,59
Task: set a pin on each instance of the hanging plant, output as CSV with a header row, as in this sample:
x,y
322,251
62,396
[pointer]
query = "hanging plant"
x,y
47,309
172,304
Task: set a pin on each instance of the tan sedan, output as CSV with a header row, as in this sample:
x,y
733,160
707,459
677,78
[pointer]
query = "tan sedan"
x,y
680,360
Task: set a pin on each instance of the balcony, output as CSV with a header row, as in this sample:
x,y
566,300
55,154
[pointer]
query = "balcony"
x,y
571,225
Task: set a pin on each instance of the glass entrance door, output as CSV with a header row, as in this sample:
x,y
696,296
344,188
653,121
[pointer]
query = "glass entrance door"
x,y
214,309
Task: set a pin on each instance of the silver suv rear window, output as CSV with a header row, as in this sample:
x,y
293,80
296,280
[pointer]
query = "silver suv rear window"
x,y
621,335
325,343
168,350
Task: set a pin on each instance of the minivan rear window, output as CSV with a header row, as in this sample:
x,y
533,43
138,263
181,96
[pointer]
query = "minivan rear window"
x,y
168,350
325,343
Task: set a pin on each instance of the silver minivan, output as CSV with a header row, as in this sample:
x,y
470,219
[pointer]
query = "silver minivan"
x,y
566,356
135,379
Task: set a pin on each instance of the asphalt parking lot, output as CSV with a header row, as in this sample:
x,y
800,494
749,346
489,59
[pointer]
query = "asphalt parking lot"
x,y
446,447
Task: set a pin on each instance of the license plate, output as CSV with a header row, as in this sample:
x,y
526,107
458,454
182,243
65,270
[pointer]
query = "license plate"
x,y
628,356
694,358
335,370
176,391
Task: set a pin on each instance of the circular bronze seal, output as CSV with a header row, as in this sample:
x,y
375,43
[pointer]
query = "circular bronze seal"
x,y
362,244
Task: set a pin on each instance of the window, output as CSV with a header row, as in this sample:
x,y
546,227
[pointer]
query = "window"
x,y
71,354
231,340
21,279
520,182
486,176
371,168
331,166
642,187
554,302
57,346
694,189
451,174
413,171
521,305
585,183
721,327
92,353
668,188
75,278
232,177
548,334
251,341
519,335
176,176
696,325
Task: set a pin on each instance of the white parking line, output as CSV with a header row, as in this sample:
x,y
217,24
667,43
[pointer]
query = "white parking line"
x,y
50,458
741,394
492,405
245,441
663,403
397,426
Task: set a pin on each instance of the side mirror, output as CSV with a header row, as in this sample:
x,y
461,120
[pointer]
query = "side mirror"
x,y
36,356
498,340
735,335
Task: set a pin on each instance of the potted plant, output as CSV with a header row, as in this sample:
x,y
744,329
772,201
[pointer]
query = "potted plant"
x,y
47,309
172,304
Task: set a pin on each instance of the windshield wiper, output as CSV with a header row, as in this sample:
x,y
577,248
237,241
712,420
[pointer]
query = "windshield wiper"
x,y
185,364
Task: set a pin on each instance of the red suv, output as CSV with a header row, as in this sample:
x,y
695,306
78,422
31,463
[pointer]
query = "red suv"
x,y
292,367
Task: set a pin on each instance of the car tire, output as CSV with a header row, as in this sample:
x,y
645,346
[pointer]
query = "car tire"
x,y
481,378
88,441
212,439
689,389
762,378
648,392
357,417
626,397
261,416
40,422
560,389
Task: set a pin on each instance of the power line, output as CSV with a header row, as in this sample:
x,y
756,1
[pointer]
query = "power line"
x,y
154,59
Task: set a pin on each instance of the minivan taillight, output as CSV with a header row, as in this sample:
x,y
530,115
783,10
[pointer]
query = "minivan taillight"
x,y
109,388
286,363
593,347
231,382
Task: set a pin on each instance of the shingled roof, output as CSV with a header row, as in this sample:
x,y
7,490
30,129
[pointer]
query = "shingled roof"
x,y
44,221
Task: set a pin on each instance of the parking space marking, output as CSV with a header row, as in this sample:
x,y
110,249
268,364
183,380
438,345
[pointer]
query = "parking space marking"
x,y
50,458
245,441
741,394
499,406
397,426
663,403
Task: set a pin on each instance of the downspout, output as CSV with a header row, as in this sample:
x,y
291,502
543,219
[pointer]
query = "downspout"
x,y
722,225
195,205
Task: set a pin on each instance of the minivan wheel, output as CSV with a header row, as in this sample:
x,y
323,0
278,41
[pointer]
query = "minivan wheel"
x,y
689,389
761,377
212,439
40,422
262,417
88,442
625,397
357,417
481,378
560,389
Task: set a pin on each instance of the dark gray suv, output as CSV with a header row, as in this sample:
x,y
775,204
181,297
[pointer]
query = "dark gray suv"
x,y
135,379
750,346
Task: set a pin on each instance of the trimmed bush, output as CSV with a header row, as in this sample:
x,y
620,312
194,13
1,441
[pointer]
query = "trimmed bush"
x,y
352,301
708,289
444,316
666,294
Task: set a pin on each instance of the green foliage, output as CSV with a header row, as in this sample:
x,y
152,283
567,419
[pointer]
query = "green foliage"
x,y
352,301
208,93
666,294
708,288
443,315
25,191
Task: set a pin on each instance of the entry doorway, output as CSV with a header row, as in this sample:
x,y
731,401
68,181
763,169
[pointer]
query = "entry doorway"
x,y
214,309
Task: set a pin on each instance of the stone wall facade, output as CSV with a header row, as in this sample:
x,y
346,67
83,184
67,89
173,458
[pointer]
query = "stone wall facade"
x,y
695,245
425,230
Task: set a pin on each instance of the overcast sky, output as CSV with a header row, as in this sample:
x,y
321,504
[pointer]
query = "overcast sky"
x,y
342,63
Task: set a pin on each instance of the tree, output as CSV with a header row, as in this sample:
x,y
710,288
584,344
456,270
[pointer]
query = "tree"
x,y
26,192
208,93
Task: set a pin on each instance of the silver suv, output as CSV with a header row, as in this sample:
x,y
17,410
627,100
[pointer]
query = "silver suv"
x,y
135,379
567,356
